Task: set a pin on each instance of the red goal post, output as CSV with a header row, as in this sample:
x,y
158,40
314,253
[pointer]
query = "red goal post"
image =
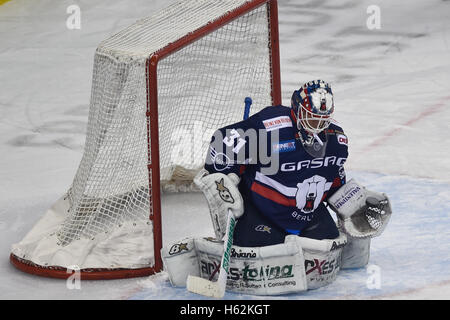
x,y
112,202
152,87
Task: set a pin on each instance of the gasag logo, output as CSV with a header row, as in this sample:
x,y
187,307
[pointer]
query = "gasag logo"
x,y
312,164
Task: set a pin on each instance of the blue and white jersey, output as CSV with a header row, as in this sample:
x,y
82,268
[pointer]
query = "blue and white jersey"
x,y
298,182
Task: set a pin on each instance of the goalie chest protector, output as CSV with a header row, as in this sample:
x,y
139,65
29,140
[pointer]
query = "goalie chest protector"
x,y
286,182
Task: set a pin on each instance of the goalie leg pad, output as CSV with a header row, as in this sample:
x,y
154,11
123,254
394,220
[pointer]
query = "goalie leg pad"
x,y
322,259
269,270
356,253
296,265
180,260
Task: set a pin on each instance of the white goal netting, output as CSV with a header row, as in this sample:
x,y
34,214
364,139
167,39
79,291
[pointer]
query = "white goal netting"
x,y
103,221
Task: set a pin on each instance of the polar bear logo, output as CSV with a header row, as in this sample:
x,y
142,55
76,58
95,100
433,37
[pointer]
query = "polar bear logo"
x,y
310,193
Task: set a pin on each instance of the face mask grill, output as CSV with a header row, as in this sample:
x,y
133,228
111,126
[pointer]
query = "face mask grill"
x,y
316,108
313,122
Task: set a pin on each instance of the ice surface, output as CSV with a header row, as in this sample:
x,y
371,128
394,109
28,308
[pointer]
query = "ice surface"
x,y
392,93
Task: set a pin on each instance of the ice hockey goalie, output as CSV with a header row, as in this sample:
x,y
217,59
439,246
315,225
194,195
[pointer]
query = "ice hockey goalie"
x,y
280,172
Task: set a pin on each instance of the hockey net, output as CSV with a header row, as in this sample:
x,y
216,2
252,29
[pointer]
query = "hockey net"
x,y
160,88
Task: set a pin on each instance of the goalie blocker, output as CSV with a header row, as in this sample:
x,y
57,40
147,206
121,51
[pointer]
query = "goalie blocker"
x,y
296,265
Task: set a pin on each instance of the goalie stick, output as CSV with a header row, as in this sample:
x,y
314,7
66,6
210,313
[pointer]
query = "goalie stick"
x,y
217,289
210,288
248,102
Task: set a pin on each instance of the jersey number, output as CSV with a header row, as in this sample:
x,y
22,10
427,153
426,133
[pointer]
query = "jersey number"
x,y
229,141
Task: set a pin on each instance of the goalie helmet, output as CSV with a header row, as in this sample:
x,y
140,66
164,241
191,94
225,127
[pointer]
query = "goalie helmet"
x,y
313,105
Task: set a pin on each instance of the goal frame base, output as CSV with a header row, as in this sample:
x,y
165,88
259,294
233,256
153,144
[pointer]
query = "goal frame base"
x,y
85,274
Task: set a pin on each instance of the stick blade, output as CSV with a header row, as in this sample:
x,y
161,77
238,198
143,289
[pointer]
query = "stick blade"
x,y
204,287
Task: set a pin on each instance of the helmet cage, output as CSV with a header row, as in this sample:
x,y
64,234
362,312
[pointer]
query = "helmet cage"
x,y
312,122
